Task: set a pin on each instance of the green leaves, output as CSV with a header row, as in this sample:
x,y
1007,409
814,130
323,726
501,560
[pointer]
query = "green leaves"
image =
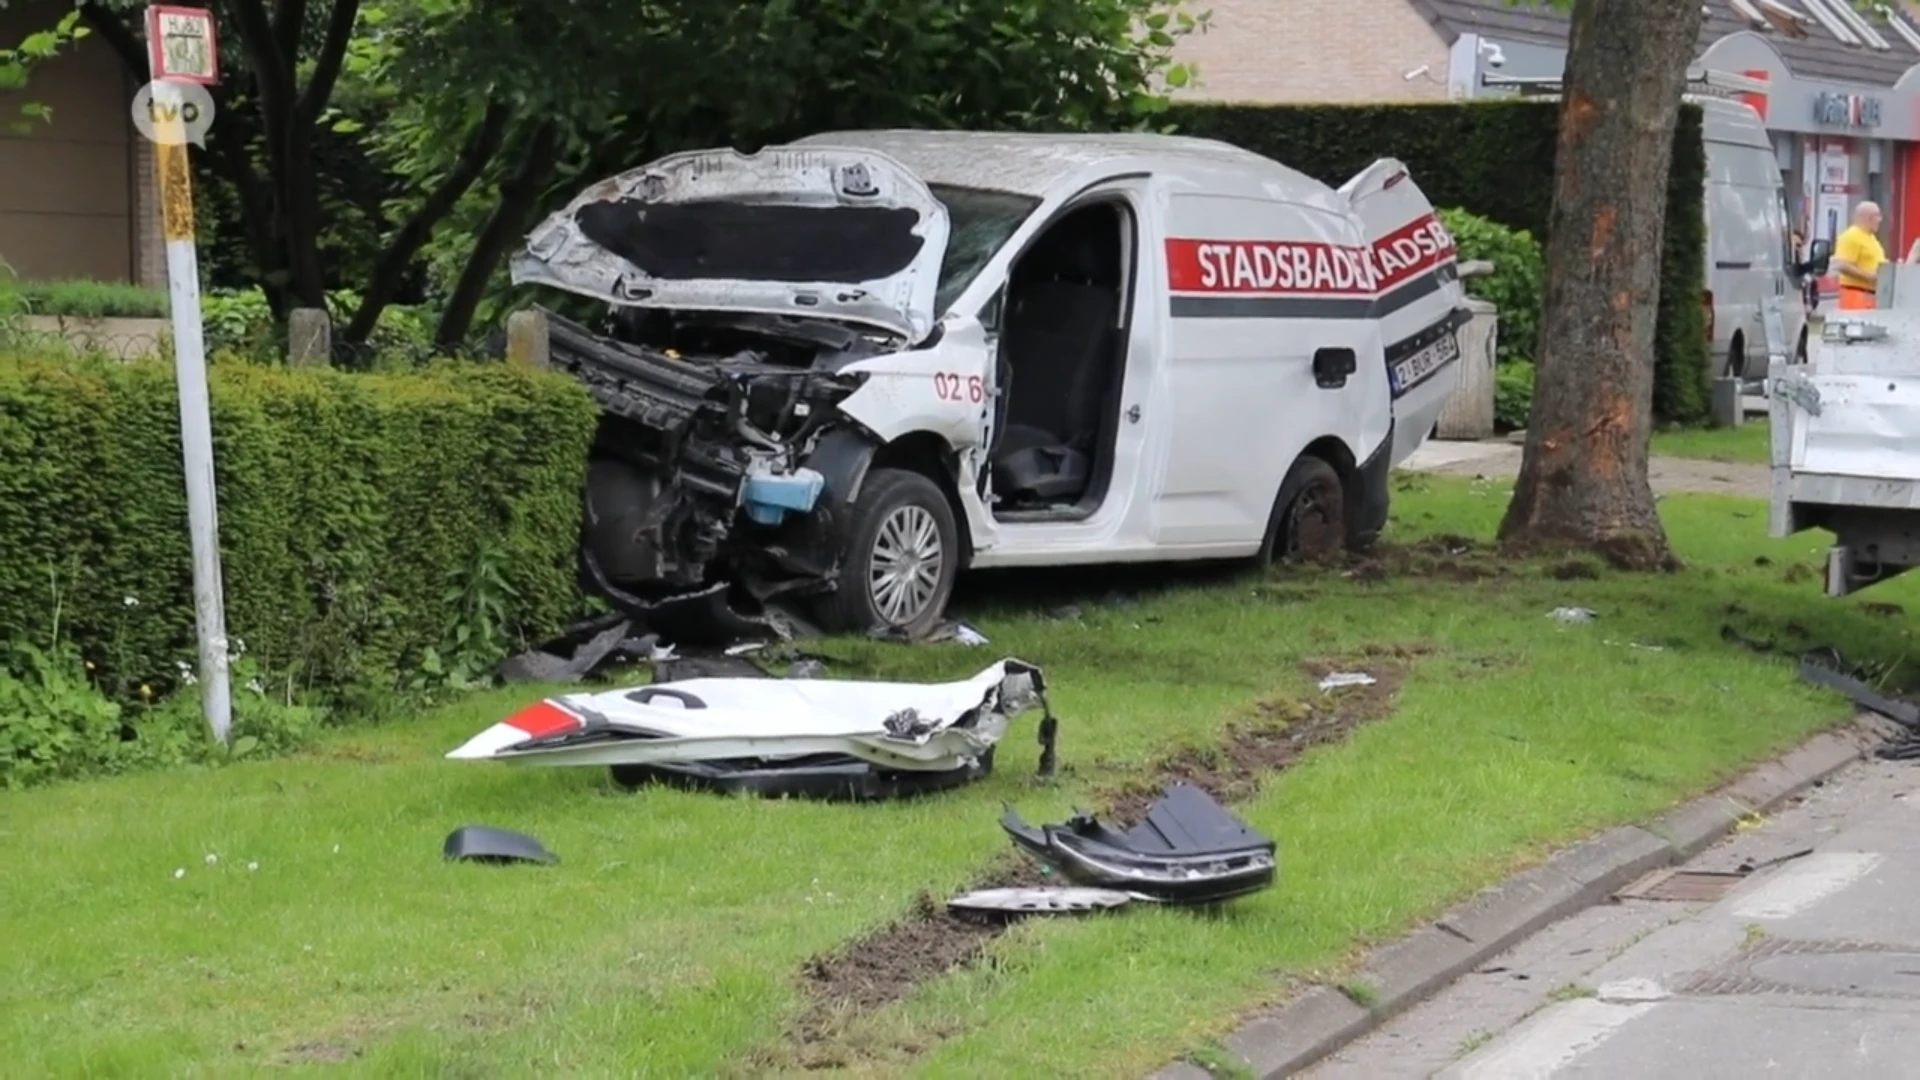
x,y
17,64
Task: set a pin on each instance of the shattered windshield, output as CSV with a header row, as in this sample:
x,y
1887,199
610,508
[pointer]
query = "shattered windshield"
x,y
981,223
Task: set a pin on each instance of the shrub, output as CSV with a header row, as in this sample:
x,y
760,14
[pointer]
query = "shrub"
x,y
241,321
1512,396
82,299
350,507
1494,159
56,723
1515,284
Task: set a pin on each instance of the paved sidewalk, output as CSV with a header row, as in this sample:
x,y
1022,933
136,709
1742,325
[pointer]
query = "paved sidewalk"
x,y
1499,459
1809,967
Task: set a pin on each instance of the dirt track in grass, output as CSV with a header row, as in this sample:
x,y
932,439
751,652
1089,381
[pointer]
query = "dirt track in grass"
x,y
929,941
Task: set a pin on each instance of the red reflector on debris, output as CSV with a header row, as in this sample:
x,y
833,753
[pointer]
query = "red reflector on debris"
x,y
543,718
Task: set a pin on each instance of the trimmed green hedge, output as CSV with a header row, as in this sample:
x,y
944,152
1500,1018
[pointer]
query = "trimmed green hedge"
x,y
1494,159
353,507
1682,378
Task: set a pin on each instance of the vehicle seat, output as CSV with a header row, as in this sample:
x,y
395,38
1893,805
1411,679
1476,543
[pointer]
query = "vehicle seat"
x,y
1060,338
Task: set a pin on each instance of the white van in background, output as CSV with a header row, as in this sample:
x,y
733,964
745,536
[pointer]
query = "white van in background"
x,y
1750,256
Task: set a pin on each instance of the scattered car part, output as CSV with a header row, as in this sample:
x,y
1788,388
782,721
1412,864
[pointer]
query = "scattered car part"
x,y
827,777
1830,676
1044,900
1338,680
781,736
484,843
1572,614
1188,850
589,645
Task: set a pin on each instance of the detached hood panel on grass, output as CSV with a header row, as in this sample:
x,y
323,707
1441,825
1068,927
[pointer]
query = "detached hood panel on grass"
x,y
850,235
903,726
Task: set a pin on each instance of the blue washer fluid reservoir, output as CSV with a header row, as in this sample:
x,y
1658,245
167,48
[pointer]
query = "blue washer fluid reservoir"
x,y
769,497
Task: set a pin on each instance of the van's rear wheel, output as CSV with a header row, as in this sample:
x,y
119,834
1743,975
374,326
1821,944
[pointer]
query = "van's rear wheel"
x,y
899,556
1309,519
1737,359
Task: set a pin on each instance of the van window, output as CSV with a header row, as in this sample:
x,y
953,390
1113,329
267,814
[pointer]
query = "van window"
x,y
1732,163
981,221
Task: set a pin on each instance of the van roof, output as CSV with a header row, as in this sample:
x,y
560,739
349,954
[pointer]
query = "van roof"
x,y
1728,121
1035,163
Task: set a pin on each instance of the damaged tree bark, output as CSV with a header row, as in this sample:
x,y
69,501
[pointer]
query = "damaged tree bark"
x,y
1583,479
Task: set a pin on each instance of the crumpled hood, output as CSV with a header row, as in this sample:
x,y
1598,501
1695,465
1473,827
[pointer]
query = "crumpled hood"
x,y
849,235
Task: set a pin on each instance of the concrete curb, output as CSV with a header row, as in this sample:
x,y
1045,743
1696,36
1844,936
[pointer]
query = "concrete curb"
x,y
1405,972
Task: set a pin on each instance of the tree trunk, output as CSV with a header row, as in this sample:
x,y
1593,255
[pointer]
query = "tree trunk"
x,y
1583,479
518,193
481,146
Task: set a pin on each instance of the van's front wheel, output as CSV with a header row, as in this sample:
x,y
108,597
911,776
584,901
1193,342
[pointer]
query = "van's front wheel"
x,y
898,558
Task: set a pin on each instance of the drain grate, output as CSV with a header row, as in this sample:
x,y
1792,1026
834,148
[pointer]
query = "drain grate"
x,y
1820,969
1685,886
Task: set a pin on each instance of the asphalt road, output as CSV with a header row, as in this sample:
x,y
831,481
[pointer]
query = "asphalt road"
x,y
1499,459
1808,966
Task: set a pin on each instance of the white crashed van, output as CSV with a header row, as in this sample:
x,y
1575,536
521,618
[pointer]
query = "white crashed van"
x,y
856,365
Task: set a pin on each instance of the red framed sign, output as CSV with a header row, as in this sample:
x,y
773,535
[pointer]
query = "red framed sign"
x,y
181,45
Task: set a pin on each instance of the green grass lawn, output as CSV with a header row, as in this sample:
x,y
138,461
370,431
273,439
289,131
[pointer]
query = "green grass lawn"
x,y
666,942
1746,443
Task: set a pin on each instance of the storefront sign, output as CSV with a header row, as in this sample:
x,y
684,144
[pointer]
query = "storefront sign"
x,y
1846,110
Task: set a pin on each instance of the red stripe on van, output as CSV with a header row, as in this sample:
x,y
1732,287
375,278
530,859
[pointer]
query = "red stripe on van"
x,y
1308,267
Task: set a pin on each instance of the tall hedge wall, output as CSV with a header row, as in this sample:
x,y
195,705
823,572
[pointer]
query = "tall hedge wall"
x,y
349,505
1494,159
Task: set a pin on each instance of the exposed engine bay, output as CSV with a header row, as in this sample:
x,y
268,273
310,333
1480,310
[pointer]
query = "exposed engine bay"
x,y
707,422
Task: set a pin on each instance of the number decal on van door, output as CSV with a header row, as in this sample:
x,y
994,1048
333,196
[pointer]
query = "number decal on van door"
x,y
949,386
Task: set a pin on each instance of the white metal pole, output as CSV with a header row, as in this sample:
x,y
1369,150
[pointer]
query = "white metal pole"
x,y
196,428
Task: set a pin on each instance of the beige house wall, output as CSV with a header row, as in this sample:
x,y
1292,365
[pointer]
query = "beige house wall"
x,y
72,200
1315,51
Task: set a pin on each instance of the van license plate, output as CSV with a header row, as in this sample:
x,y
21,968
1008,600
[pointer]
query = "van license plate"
x,y
1416,369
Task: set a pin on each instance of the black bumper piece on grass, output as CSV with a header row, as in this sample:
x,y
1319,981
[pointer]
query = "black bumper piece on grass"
x,y
1189,850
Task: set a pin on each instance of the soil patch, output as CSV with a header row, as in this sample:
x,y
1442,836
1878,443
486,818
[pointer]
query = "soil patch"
x,y
930,941
1445,556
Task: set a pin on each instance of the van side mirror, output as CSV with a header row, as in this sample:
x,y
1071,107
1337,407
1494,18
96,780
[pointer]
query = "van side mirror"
x,y
1819,254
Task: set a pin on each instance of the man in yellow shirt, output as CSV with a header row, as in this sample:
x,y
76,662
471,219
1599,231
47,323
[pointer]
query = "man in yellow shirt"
x,y
1857,256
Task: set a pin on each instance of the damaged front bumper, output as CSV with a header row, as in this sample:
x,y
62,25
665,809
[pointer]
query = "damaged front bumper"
x,y
778,736
1188,850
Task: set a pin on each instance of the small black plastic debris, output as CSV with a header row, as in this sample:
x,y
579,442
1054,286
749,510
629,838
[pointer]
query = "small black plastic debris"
x,y
1189,850
1049,741
1042,900
578,651
1823,668
1748,866
484,843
